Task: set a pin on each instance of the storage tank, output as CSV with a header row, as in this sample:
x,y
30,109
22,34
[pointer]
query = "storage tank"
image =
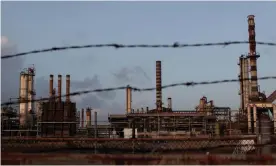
x,y
128,132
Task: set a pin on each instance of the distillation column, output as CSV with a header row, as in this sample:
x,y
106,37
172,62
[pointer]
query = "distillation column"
x,y
23,96
31,95
241,77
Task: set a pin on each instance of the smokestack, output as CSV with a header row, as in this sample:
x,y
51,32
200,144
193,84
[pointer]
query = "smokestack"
x,y
51,86
128,99
88,117
253,59
169,103
158,86
67,88
59,88
82,118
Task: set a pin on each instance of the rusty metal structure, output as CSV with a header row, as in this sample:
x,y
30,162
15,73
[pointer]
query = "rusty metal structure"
x,y
252,55
164,121
245,83
254,104
58,117
161,129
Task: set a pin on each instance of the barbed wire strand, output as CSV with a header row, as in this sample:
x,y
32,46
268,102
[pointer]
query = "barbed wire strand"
x,y
135,89
117,46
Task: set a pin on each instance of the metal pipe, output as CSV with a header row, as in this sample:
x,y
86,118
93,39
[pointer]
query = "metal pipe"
x,y
51,85
59,87
67,88
158,86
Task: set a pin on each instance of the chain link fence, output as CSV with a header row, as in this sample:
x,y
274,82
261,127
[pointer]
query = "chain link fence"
x,y
103,144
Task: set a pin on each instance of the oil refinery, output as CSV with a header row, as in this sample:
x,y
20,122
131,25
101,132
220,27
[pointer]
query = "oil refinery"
x,y
57,118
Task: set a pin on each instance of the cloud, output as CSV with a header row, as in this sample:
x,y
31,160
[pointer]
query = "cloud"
x,y
131,75
95,100
10,69
4,40
10,72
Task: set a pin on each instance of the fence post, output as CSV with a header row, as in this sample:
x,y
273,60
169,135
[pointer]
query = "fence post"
x,y
95,146
133,146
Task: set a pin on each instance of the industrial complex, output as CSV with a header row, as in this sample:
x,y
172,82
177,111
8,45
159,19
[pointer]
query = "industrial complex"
x,y
58,118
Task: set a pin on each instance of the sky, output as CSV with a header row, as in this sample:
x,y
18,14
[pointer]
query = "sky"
x,y
35,25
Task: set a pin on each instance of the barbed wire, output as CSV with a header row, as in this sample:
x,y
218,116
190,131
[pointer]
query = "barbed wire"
x,y
135,89
117,46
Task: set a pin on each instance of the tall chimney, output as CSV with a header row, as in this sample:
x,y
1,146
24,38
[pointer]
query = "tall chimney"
x,y
169,103
253,59
88,117
51,85
68,88
128,99
82,118
59,88
158,86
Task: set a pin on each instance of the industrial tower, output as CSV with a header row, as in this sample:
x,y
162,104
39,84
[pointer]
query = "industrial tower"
x,y
255,104
26,96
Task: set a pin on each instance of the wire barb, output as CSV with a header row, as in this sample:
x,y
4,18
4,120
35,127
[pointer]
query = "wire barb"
x,y
136,89
117,46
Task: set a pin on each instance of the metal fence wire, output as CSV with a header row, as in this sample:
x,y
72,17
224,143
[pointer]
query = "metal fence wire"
x,y
153,145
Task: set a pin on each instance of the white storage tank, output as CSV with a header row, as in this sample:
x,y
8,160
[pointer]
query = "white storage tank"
x,y
128,132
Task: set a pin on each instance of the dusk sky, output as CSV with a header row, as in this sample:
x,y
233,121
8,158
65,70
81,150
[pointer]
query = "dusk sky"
x,y
35,25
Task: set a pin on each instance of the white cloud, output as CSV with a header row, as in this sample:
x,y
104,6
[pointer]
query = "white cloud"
x,y
4,40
